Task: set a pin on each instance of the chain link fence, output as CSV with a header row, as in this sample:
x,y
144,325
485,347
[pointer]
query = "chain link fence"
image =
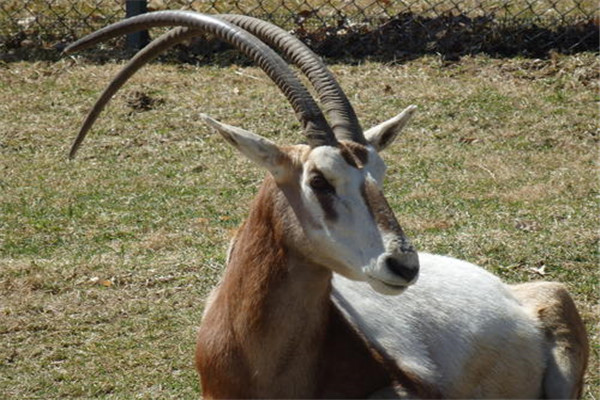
x,y
387,29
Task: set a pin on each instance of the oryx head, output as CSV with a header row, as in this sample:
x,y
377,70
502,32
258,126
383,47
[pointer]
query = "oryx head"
x,y
333,183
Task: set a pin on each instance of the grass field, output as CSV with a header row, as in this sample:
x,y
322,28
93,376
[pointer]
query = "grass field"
x,y
105,261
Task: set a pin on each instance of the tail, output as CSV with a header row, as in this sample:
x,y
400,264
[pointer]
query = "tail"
x,y
566,337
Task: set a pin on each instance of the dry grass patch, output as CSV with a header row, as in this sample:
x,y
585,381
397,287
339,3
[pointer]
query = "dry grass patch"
x,y
105,261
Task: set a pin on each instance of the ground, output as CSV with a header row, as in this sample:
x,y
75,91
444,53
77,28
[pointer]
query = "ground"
x,y
106,260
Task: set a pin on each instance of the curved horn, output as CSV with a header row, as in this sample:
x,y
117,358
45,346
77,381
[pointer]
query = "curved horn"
x,y
342,117
316,129
144,56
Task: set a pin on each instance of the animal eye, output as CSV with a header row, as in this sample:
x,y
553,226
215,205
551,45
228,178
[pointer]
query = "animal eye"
x,y
318,183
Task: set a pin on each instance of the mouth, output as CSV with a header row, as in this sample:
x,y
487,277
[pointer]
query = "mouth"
x,y
386,288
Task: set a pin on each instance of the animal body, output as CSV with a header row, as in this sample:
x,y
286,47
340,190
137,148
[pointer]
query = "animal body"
x,y
323,294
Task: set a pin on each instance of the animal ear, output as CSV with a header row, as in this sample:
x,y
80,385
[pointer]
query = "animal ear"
x,y
258,149
384,134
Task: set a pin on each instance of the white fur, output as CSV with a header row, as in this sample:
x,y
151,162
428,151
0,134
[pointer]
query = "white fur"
x,y
458,328
376,135
337,240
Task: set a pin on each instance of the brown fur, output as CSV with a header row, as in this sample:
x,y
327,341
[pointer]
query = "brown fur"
x,y
380,208
238,304
550,303
349,369
271,329
355,154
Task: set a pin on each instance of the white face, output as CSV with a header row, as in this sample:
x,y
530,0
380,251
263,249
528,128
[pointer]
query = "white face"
x,y
345,218
352,225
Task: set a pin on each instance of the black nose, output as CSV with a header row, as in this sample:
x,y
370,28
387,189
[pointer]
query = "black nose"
x,y
405,266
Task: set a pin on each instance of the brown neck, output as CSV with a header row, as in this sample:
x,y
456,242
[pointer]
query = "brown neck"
x,y
270,329
272,306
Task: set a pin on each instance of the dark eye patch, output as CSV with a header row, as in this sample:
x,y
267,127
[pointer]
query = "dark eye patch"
x,y
320,185
324,191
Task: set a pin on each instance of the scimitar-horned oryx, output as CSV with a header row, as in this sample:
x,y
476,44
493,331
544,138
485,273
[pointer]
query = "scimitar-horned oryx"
x,y
306,306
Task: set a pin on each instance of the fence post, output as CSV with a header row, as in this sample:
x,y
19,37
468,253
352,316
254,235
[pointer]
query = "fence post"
x,y
136,40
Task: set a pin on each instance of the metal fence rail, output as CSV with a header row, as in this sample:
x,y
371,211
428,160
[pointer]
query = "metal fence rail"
x,y
335,28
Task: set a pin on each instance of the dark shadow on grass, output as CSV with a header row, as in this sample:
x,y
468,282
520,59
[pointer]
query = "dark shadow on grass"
x,y
452,36
399,38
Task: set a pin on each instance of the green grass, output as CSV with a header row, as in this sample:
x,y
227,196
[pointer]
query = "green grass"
x,y
105,261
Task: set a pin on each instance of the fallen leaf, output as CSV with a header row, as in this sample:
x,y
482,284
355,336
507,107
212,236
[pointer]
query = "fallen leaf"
x,y
468,140
97,281
526,226
105,283
541,270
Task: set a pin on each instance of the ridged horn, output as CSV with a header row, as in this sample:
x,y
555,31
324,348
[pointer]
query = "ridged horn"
x,y
144,56
342,117
340,113
315,127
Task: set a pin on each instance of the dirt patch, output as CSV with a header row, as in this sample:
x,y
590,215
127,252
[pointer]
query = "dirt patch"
x,y
140,101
